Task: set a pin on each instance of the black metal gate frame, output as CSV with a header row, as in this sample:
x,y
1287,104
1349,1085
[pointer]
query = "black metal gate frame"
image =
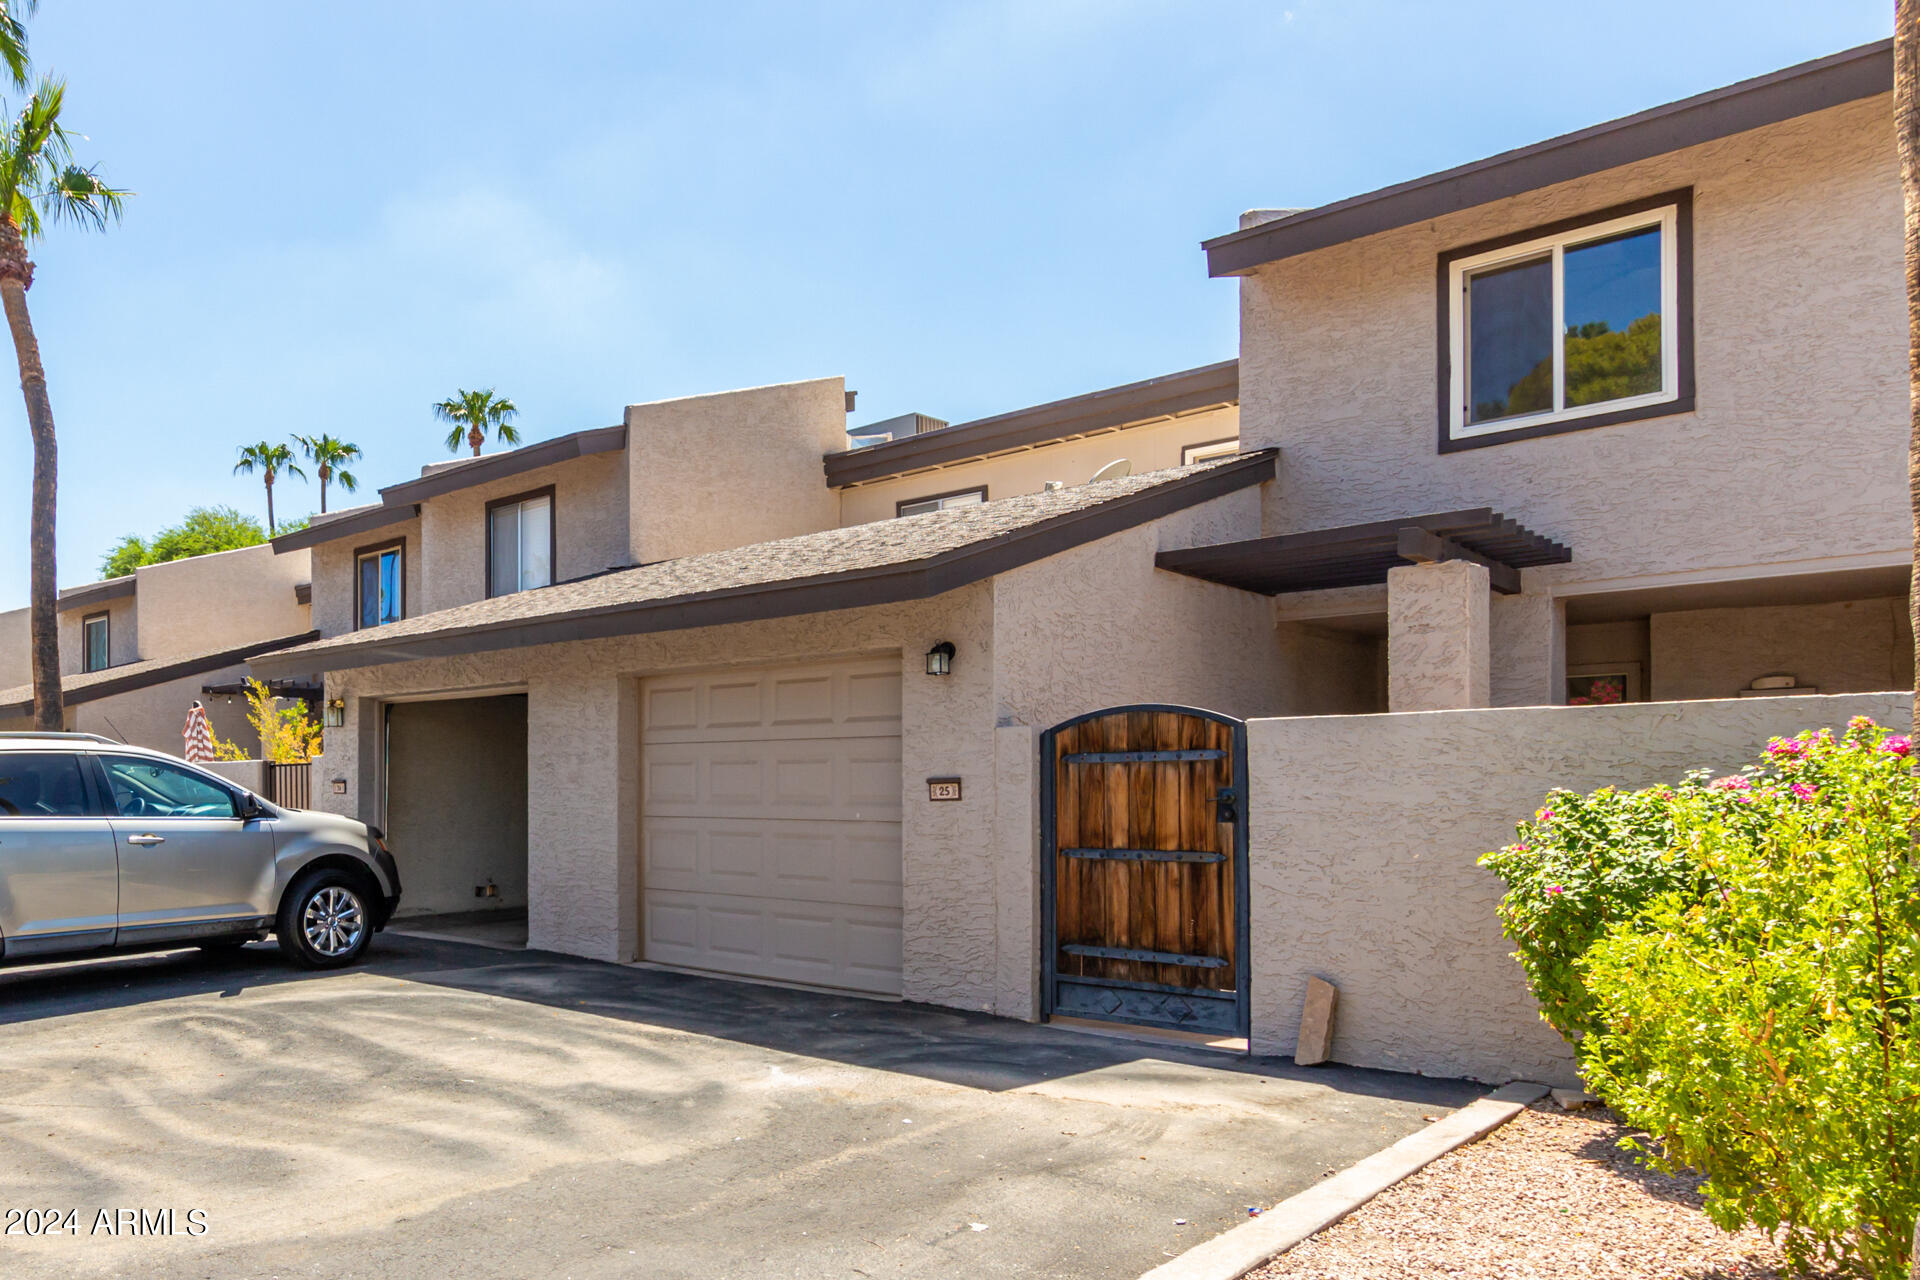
x,y
1049,856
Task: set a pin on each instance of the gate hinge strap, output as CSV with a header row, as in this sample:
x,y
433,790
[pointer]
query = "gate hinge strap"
x,y
1143,757
1146,957
1147,855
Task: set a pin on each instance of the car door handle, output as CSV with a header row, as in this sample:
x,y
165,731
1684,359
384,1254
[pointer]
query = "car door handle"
x,y
147,839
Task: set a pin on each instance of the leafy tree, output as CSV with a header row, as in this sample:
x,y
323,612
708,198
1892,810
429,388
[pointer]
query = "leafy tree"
x,y
475,413
269,460
203,531
287,733
40,185
329,456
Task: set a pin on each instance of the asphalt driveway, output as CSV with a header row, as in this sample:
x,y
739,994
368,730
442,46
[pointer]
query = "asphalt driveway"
x,y
453,1110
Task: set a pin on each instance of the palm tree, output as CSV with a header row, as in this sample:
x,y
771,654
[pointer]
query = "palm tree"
x,y
473,414
328,457
269,459
1906,128
41,185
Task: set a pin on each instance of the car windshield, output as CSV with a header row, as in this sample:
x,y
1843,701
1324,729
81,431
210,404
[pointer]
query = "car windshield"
x,y
156,789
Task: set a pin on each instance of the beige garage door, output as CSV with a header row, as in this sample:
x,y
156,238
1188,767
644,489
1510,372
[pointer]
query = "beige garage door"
x,y
770,822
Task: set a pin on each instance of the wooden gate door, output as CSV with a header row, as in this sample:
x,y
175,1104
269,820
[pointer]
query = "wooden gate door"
x,y
1144,869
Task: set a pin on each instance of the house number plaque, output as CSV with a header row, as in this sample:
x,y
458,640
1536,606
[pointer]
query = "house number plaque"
x,y
943,788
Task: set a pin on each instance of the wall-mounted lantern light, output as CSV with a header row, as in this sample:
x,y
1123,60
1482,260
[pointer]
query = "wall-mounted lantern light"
x,y
336,714
940,659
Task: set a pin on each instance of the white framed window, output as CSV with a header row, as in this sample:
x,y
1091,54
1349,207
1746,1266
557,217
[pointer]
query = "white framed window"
x,y
520,543
1582,323
96,647
1208,449
941,501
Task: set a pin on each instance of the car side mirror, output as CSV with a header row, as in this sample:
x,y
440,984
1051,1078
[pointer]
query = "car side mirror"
x,y
250,807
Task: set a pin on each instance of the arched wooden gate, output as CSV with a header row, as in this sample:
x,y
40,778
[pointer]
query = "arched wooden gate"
x,y
1144,868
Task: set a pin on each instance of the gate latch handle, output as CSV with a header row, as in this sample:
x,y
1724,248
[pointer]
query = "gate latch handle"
x,y
1226,805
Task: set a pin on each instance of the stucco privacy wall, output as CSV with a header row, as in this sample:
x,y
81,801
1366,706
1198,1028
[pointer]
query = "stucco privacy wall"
x,y
123,636
1149,447
1365,832
333,575
220,601
154,716
590,528
709,473
1800,353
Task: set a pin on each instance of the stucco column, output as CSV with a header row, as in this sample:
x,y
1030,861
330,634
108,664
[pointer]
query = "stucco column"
x,y
583,779
1016,871
1527,639
1437,647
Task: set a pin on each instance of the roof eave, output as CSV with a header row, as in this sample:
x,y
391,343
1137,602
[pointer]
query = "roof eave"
x,y
198,665
1750,104
913,580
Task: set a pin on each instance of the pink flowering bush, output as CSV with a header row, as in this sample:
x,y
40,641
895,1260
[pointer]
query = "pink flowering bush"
x,y
1758,1014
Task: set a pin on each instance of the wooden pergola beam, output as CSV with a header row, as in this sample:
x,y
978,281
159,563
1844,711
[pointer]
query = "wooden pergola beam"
x,y
1422,546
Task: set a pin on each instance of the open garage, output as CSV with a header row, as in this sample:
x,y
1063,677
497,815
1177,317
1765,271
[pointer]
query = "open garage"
x,y
457,804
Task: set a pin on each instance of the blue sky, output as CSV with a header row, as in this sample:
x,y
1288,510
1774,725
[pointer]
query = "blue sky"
x,y
346,211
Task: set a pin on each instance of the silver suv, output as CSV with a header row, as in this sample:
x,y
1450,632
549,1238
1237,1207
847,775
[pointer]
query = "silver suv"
x,y
110,847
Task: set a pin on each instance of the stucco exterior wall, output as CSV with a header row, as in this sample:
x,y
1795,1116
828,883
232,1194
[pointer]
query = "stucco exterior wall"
x,y
333,576
1852,646
1365,832
123,636
590,534
1526,650
16,657
1796,450
220,601
709,473
154,717
1150,447
1082,630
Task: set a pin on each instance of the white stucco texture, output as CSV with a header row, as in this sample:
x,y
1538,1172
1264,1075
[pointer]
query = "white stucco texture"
x,y
1365,834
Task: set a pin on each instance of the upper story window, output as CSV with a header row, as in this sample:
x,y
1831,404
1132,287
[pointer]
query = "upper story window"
x,y
1210,449
941,501
379,590
96,642
1579,324
520,542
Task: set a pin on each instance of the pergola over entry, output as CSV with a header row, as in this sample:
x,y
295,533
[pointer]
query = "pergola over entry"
x,y
1359,555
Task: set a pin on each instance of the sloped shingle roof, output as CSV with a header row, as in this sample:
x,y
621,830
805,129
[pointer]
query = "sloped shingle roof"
x,y
90,685
888,560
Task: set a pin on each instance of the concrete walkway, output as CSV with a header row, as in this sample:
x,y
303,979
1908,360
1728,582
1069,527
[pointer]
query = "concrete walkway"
x,y
451,1109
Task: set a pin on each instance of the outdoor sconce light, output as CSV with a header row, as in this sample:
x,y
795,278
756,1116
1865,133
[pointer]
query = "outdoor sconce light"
x,y
336,714
940,659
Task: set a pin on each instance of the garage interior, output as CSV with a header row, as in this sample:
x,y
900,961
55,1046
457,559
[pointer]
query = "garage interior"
x,y
456,786
770,823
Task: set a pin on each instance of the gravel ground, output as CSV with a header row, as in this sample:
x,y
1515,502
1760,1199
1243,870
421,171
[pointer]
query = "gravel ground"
x,y
1548,1195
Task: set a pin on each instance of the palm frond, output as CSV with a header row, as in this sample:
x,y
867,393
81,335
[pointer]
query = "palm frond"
x,y
40,184
13,39
507,433
455,437
346,480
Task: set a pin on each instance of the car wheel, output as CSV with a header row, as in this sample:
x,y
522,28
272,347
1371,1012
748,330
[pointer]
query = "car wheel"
x,y
324,920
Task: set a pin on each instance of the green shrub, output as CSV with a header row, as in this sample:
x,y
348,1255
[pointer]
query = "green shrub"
x,y
1584,865
1767,1033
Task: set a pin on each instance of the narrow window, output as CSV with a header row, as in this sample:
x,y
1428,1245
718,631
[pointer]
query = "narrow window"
x,y
1580,324
380,591
96,643
1210,449
520,543
941,501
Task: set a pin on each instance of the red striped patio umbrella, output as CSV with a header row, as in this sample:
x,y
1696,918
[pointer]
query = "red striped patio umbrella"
x,y
199,736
